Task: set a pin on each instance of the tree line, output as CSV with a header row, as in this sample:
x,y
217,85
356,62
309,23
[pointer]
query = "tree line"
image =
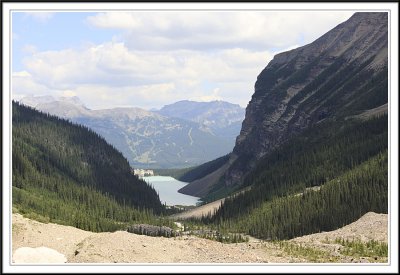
x,y
66,173
348,158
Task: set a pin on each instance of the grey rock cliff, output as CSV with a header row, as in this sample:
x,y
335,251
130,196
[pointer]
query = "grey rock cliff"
x,y
344,72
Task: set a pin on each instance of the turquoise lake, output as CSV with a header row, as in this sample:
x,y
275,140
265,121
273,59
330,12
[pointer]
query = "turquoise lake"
x,y
167,188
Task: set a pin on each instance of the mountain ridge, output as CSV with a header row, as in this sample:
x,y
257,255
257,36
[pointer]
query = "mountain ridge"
x,y
148,139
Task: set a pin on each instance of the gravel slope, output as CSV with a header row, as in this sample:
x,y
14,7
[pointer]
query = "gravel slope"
x,y
81,246
87,247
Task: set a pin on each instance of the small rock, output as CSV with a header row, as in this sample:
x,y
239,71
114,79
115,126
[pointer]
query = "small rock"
x,y
38,255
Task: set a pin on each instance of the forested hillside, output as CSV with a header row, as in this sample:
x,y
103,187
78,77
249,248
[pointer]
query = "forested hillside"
x,y
337,203
68,174
347,159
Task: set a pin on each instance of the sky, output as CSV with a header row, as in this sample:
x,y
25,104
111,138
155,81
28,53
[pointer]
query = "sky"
x,y
149,59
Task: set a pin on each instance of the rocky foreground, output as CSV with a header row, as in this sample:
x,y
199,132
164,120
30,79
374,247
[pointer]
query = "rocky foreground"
x,y
58,243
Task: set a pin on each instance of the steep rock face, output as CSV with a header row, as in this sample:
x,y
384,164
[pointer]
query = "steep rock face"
x,y
342,73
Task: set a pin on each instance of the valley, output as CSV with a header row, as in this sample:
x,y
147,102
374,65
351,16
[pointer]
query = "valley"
x,y
299,176
166,138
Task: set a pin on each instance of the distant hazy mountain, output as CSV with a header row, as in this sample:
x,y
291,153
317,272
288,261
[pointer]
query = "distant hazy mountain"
x,y
34,101
147,139
223,118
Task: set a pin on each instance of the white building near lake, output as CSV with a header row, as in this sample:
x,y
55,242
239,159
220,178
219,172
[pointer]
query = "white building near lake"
x,y
143,172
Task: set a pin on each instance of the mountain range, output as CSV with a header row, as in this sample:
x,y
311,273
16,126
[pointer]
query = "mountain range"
x,y
183,134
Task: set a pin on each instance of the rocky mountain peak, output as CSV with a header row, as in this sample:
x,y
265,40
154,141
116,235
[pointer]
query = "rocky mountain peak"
x,y
341,73
62,106
34,101
350,38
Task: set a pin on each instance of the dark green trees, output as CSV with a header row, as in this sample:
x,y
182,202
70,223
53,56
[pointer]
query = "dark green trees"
x,y
347,158
66,173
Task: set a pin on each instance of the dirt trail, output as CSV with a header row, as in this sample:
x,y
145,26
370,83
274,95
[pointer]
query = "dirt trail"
x,y
80,246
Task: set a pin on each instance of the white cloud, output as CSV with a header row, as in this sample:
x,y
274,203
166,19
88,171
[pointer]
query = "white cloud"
x,y
114,20
24,84
69,93
211,97
144,96
215,29
21,74
150,77
162,57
